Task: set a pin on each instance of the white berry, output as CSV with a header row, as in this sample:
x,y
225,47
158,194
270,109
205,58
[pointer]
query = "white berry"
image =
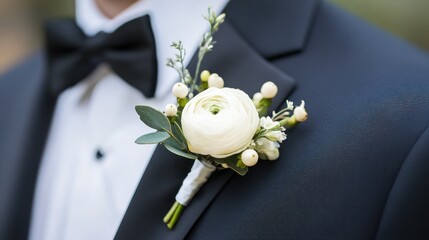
x,y
300,114
180,90
170,110
215,81
205,75
249,157
257,97
269,90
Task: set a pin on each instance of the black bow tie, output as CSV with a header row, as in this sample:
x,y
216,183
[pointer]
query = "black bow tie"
x,y
129,51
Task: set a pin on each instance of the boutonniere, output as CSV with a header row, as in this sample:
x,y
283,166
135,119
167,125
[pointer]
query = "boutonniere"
x,y
220,128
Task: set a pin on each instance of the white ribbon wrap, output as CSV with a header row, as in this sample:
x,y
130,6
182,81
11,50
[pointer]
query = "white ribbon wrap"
x,y
196,178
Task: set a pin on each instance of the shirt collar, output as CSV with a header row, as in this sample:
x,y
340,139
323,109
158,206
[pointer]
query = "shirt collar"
x,y
91,20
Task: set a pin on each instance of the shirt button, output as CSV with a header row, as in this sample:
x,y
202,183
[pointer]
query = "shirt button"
x,y
99,154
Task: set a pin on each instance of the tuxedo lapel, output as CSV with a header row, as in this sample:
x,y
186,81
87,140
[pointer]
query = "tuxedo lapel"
x,y
241,67
27,109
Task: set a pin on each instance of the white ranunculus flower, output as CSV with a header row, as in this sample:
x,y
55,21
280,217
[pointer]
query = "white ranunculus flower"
x,y
219,122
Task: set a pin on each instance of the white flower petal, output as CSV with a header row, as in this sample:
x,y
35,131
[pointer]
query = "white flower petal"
x,y
219,122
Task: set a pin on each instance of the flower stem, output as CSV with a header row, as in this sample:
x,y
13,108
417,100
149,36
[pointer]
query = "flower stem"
x,y
170,213
289,122
173,215
197,72
264,104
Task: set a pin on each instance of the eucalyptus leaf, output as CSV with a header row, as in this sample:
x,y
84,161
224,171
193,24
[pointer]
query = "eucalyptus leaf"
x,y
180,152
231,161
237,169
172,142
151,138
153,118
177,132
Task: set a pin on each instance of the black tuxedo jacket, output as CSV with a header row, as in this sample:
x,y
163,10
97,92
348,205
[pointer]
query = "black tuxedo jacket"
x,y
357,169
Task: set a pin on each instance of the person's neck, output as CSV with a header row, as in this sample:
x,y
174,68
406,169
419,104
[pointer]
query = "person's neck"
x,y
111,8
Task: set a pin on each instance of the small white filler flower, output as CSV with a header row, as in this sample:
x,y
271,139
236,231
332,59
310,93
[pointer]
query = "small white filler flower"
x,y
267,148
267,123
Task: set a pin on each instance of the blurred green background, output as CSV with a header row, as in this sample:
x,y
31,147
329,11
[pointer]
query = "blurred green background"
x,y
21,21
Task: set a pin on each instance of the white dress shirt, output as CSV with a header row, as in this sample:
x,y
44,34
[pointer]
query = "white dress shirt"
x,y
80,196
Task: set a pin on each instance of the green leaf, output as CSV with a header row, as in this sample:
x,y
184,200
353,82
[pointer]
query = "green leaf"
x,y
231,161
151,138
178,134
153,118
172,142
180,152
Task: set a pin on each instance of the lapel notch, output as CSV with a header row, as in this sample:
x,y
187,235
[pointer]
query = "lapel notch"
x,y
273,27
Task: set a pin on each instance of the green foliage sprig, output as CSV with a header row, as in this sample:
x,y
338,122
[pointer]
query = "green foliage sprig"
x,y
205,46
